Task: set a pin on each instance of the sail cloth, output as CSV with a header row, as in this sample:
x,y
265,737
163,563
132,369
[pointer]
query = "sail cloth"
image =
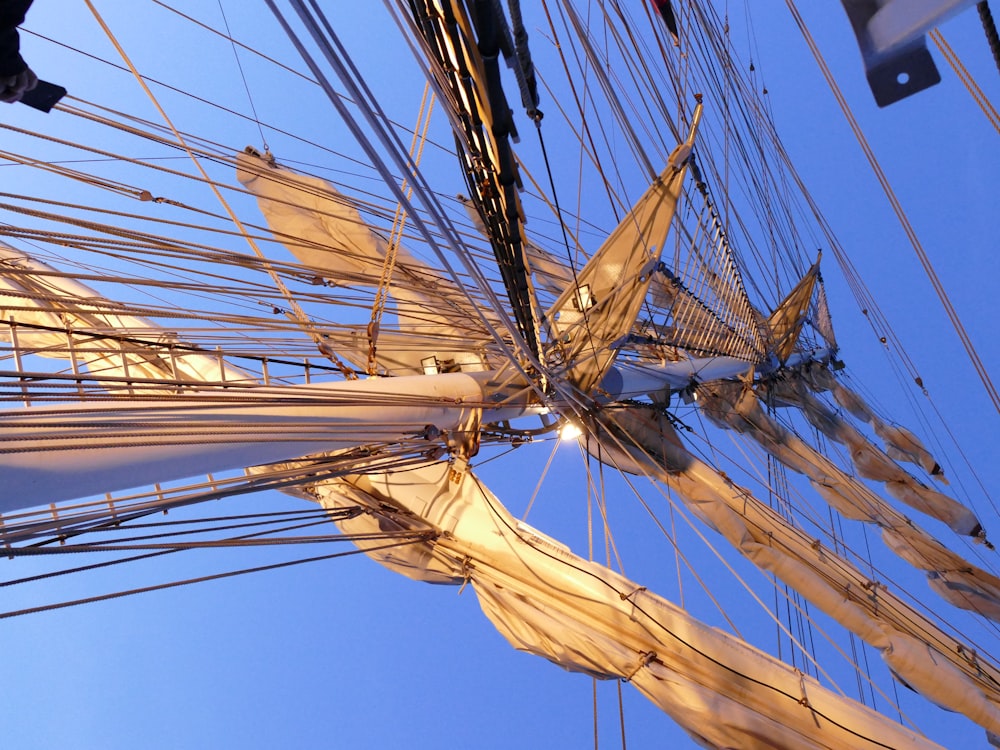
x,y
736,406
732,405
61,452
545,271
324,231
901,444
46,313
547,601
645,443
785,323
601,305
823,320
871,462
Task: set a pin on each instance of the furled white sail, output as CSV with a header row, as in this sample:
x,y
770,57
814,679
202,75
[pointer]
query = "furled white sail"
x,y
586,618
326,232
871,462
48,313
645,444
901,444
734,406
68,451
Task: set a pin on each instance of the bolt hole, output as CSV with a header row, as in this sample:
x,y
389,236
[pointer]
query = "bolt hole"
x,y
903,78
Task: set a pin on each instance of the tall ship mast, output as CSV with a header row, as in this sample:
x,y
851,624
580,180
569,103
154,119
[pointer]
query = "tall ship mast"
x,y
531,303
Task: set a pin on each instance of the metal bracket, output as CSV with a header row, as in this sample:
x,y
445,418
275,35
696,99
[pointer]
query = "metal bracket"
x,y
463,443
890,35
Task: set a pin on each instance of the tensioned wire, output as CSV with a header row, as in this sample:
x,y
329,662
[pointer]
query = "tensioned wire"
x,y
966,77
299,314
900,618
217,153
411,538
374,119
208,102
268,529
599,67
221,254
748,132
677,637
925,262
398,223
73,519
880,325
895,351
166,246
802,507
693,569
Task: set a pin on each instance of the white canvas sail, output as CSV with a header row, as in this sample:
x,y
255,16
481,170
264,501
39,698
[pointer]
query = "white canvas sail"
x,y
177,341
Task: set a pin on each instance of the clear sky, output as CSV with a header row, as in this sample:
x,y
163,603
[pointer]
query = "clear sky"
x,y
347,654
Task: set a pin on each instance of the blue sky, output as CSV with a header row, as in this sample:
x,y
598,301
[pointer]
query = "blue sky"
x,y
346,654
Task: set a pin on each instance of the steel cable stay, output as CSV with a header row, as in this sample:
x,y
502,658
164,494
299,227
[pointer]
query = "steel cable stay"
x,y
299,314
112,535
953,317
375,119
795,602
895,349
132,520
65,107
754,192
89,364
692,568
244,541
674,636
411,538
963,73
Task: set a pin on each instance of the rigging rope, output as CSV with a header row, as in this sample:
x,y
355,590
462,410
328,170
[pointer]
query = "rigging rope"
x,y
925,262
373,116
990,27
246,86
415,538
966,77
299,314
398,223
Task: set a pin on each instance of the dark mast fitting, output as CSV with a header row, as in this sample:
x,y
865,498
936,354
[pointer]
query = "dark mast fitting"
x,y
471,81
689,316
